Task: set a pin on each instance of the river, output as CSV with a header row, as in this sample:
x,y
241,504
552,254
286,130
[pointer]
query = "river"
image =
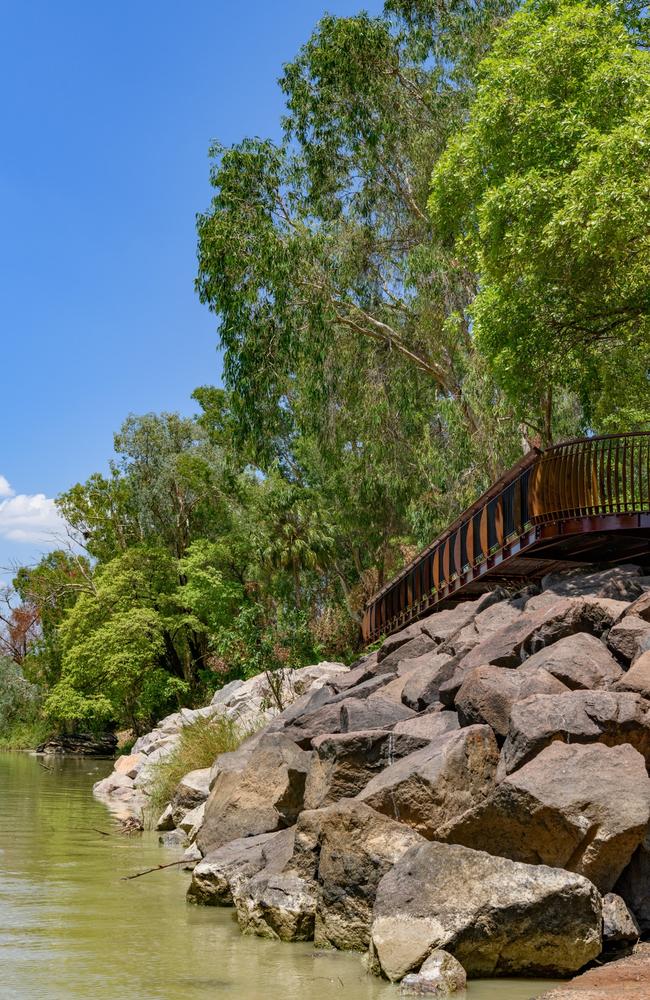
x,y
72,929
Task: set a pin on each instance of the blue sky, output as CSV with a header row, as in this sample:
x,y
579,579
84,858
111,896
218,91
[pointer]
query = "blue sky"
x,y
108,112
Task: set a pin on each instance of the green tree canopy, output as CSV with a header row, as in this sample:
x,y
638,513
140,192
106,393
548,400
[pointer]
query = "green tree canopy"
x,y
544,194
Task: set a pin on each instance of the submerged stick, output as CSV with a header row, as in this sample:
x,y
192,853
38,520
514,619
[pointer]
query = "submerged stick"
x,y
156,868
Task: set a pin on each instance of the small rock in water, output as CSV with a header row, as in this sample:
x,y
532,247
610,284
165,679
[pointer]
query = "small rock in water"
x,y
440,975
165,821
173,838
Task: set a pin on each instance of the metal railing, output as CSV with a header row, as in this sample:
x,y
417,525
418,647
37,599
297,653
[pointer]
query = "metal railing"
x,y
584,478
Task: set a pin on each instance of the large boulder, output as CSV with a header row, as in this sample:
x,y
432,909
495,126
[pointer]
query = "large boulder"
x,y
223,872
488,693
423,684
580,661
280,906
429,724
495,916
375,713
129,764
442,625
620,583
323,719
346,716
398,639
344,850
486,623
432,786
260,792
583,808
344,763
417,646
629,638
607,717
511,645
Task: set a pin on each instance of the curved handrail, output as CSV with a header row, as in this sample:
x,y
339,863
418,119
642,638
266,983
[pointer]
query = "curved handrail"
x,y
585,477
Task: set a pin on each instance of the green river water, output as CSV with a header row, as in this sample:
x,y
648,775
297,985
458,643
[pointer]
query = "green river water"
x,y
70,928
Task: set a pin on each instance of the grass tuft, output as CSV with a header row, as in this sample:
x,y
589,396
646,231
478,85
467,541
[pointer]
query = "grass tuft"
x,y
199,746
25,735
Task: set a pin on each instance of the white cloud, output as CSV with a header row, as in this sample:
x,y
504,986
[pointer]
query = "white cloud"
x,y
5,488
30,518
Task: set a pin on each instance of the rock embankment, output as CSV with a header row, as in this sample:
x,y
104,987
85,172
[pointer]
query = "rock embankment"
x,y
472,798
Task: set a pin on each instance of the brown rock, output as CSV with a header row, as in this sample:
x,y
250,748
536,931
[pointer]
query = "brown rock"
x,y
422,685
583,808
345,850
637,678
607,717
129,764
441,625
344,763
495,916
262,794
580,661
432,786
620,582
392,691
488,693
357,675
280,906
344,716
429,725
511,645
485,624
629,638
417,646
372,714
399,639
640,607
224,871
418,663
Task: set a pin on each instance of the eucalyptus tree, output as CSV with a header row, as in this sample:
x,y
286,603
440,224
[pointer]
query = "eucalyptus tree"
x,y
341,318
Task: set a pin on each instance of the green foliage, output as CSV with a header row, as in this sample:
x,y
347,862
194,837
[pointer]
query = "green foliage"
x,y
544,194
18,698
199,746
257,643
25,734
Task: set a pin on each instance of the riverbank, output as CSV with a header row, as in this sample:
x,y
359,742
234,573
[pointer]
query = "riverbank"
x,y
477,784
71,928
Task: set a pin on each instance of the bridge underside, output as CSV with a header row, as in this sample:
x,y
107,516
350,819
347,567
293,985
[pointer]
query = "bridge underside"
x,y
605,540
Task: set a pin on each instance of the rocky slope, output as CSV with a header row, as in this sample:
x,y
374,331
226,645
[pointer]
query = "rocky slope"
x,y
477,788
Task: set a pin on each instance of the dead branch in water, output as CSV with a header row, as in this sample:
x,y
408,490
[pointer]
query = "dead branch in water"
x,y
156,868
